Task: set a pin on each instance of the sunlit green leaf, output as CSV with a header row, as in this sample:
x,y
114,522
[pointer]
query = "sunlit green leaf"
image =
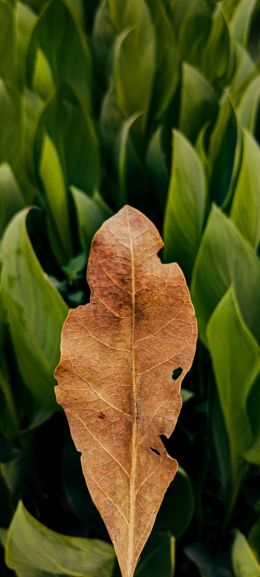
x,y
35,311
245,211
224,257
186,205
241,20
244,562
52,552
249,105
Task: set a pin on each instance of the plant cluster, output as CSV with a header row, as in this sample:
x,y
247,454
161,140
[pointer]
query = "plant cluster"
x,y
154,103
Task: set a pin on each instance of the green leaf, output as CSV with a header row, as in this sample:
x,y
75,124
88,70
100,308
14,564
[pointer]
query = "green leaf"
x,y
7,39
241,20
185,210
42,78
11,122
198,102
91,213
157,170
50,171
25,21
167,61
224,257
249,105
123,145
74,67
11,198
254,538
220,446
30,545
245,211
131,71
192,21
244,562
35,311
158,557
219,54
176,511
222,151
245,72
72,131
227,334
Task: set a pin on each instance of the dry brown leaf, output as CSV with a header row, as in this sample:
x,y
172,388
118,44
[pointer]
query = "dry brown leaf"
x,y
115,376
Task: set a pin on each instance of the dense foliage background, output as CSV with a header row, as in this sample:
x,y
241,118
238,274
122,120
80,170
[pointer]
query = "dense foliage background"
x,y
154,103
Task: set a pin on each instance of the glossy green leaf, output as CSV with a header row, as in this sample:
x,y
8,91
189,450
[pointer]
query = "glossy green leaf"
x,y
227,334
35,311
74,67
222,150
186,205
11,198
245,563
249,105
176,510
224,257
52,552
42,78
158,557
240,23
245,211
91,213
7,38
198,103
131,71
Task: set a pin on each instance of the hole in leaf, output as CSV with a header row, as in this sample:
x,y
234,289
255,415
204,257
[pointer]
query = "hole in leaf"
x,y
176,373
101,416
155,451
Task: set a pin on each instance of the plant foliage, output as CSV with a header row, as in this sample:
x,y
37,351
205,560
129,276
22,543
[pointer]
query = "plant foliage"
x,y
154,103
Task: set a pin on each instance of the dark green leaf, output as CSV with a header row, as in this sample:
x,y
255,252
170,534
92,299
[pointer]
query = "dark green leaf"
x,y
227,334
198,102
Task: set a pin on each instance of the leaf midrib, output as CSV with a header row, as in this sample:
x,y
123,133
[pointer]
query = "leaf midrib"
x,y
132,485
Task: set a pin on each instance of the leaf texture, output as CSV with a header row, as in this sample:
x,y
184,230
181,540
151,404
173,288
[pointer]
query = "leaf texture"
x,y
118,382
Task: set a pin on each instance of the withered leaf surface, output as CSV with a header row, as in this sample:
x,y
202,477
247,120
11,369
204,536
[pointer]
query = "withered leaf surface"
x,y
120,374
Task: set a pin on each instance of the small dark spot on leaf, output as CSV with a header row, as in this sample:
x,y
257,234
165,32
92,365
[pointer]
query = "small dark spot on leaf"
x,y
101,416
155,451
176,373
